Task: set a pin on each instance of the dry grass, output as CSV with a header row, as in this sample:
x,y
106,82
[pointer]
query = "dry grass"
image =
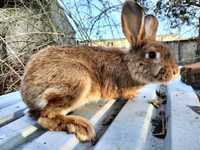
x,y
25,28
10,76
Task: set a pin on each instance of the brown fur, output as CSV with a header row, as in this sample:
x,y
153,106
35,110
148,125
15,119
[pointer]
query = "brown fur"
x,y
57,80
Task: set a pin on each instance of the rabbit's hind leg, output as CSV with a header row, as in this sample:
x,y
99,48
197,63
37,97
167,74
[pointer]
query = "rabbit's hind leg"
x,y
78,125
60,103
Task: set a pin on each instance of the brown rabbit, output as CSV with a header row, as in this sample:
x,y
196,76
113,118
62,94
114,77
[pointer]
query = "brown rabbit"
x,y
58,80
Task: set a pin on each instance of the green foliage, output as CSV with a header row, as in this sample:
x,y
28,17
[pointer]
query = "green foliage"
x,y
178,11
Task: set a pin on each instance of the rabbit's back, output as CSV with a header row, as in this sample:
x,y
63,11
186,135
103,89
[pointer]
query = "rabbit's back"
x,y
55,59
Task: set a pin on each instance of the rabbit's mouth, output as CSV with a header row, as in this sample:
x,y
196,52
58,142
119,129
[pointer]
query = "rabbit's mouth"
x,y
156,70
162,74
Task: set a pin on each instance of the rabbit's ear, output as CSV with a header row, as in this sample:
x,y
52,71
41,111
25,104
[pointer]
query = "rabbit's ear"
x,y
151,25
132,19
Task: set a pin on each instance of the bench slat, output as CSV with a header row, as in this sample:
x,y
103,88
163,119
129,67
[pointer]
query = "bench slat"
x,y
61,140
130,128
184,123
16,132
9,99
12,112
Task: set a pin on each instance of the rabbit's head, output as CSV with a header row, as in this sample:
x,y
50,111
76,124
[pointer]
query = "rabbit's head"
x,y
148,60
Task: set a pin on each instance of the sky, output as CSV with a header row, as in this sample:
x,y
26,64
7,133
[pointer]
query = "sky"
x,y
91,23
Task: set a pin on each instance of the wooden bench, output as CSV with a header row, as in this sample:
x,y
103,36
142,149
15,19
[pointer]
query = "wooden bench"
x,y
120,125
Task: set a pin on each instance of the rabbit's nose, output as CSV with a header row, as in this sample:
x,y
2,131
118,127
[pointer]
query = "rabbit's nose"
x,y
174,72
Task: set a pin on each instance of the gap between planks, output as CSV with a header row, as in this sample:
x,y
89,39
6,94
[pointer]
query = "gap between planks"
x,y
11,113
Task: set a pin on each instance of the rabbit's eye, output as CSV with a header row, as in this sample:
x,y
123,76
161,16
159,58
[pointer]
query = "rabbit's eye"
x,y
152,55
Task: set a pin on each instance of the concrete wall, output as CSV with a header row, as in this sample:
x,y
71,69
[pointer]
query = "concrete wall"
x,y
184,50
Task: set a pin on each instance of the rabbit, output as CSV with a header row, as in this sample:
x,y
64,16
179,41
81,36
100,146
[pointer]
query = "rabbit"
x,y
59,79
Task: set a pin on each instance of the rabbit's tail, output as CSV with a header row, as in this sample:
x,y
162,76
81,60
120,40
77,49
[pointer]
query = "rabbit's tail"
x,y
80,126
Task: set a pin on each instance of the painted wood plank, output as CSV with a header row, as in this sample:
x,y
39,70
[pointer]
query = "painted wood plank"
x,y
184,124
11,113
16,132
9,99
48,141
130,128
102,125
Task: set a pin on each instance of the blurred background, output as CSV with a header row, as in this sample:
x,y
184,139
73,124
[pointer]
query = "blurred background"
x,y
27,26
